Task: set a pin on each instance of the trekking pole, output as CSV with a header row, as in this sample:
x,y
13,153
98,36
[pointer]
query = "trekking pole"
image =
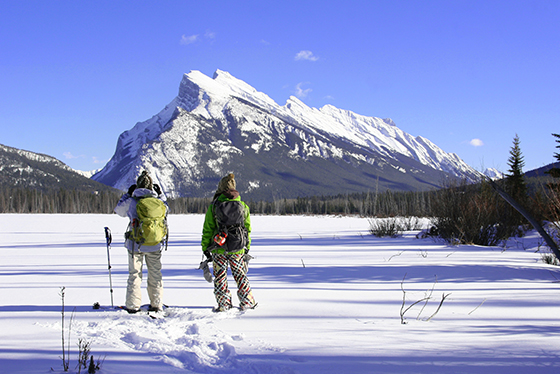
x,y
109,238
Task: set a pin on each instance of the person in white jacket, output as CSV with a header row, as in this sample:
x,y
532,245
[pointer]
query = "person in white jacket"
x,y
126,207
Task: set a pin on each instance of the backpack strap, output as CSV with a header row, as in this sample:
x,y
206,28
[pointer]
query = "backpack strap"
x,y
134,225
218,225
166,230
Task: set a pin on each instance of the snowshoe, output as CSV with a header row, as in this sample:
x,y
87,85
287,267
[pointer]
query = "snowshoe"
x,y
218,309
248,307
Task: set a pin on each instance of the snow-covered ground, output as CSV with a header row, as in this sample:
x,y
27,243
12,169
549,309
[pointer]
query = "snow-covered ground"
x,y
330,297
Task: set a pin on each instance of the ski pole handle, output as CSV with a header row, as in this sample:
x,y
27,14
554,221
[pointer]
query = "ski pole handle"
x,y
109,238
108,235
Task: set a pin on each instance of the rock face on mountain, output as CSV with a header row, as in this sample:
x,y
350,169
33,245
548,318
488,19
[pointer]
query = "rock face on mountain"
x,y
221,124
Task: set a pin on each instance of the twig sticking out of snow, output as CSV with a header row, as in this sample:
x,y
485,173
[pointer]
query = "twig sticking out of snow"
x,y
404,310
428,298
479,305
443,297
398,254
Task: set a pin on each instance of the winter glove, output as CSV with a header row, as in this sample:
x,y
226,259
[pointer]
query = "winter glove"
x,y
131,189
208,255
206,271
157,189
246,258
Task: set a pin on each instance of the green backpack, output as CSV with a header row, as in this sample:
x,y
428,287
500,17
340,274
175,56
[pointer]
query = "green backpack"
x,y
151,227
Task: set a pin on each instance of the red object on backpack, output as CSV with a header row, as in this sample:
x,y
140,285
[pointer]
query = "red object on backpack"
x,y
220,238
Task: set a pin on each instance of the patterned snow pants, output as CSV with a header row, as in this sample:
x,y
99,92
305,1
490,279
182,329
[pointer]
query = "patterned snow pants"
x,y
239,272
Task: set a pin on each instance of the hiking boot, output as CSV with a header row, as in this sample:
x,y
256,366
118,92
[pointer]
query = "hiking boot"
x,y
154,309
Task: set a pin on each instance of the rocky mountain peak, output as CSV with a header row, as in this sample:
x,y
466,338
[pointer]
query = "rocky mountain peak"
x,y
222,124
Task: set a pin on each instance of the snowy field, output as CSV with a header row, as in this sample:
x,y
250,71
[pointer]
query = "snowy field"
x,y
330,299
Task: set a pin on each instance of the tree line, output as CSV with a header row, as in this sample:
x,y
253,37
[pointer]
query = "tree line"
x,y
452,200
388,203
30,200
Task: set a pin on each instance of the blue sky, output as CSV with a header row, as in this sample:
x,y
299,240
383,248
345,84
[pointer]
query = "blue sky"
x,y
467,75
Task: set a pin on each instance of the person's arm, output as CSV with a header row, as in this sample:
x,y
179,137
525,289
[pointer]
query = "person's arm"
x,y
248,225
123,205
208,229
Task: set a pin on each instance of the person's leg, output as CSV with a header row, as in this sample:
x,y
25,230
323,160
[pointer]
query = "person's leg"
x,y
155,281
221,291
238,269
133,290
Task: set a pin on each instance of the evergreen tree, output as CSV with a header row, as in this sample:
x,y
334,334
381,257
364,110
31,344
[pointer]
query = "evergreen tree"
x,y
555,172
515,180
552,192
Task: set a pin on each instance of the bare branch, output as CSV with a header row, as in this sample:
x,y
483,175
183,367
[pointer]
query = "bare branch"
x,y
443,297
479,305
398,254
428,298
403,310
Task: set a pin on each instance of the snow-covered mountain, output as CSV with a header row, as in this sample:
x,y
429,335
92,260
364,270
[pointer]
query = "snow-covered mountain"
x,y
221,124
493,173
26,169
88,174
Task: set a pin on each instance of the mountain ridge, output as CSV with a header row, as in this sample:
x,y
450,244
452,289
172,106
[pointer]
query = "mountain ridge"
x,y
26,169
222,124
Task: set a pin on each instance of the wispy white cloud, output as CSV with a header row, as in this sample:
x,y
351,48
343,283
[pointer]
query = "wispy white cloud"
x,y
305,55
70,156
190,39
476,142
302,92
186,40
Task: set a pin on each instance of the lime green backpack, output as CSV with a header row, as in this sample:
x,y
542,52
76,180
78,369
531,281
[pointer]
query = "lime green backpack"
x,y
151,227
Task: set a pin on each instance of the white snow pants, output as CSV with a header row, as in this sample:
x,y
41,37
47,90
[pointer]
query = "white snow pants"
x,y
155,282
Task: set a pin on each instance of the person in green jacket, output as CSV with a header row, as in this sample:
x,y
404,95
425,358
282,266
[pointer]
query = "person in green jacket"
x,y
226,241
